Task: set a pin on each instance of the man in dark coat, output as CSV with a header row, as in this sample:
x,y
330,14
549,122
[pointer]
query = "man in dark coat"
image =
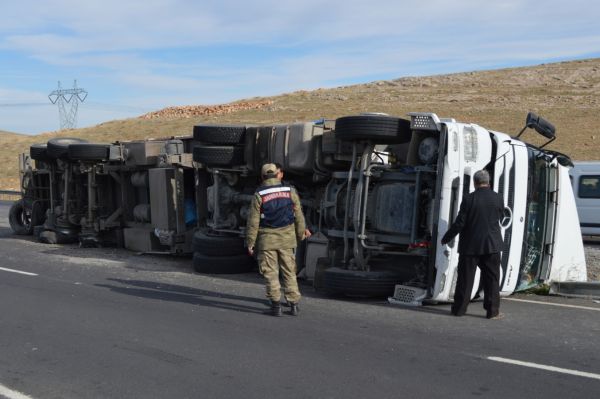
x,y
478,223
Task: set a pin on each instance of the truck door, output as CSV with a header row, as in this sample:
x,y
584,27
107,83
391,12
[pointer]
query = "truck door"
x,y
510,180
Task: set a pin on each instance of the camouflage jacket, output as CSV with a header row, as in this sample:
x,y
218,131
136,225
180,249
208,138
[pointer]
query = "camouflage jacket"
x,y
266,238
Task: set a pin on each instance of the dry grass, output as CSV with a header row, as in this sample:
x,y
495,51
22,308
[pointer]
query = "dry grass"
x,y
568,94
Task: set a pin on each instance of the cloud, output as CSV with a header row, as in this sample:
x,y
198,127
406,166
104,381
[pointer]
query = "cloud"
x,y
12,96
156,53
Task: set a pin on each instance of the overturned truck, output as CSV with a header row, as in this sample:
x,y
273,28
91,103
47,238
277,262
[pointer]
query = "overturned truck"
x,y
380,191
377,191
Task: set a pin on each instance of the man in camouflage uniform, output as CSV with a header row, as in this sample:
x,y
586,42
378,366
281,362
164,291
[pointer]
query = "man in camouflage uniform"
x,y
275,225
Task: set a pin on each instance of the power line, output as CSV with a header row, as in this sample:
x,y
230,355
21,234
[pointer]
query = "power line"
x,y
62,97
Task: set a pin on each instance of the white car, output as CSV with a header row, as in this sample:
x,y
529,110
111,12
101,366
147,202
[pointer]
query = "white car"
x,y
585,177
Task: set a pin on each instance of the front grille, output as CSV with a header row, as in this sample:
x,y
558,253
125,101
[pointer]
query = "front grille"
x,y
406,295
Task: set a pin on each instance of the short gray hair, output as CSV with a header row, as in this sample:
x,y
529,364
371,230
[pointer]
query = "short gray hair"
x,y
481,178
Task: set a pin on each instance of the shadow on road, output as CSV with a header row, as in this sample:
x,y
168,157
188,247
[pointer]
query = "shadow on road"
x,y
442,310
182,294
6,232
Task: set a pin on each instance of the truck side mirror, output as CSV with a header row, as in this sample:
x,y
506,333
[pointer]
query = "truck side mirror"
x,y
541,125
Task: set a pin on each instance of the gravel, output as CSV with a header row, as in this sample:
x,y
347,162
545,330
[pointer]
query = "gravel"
x,y
592,257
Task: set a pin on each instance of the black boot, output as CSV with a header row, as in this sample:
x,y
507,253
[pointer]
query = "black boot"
x,y
275,308
294,309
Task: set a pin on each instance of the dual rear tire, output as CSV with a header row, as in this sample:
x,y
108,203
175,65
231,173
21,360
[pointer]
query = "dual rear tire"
x,y
216,253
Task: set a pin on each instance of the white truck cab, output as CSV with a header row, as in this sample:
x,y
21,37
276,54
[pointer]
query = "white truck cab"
x,y
540,231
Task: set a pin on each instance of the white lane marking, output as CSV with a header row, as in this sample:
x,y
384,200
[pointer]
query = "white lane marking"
x,y
17,271
544,367
552,304
10,394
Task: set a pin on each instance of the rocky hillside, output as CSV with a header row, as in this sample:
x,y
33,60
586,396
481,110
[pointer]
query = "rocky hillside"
x,y
566,93
195,111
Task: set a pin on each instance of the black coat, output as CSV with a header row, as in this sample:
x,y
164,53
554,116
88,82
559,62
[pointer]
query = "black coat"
x,y
478,223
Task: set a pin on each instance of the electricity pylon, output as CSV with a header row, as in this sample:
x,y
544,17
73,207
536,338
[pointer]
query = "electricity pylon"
x,y
62,97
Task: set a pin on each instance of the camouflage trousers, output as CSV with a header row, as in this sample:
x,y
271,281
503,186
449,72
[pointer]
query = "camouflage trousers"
x,y
273,262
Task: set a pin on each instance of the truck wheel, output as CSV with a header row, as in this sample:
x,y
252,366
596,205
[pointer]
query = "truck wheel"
x,y
39,152
20,219
220,134
219,155
379,128
354,283
222,264
58,148
88,152
211,244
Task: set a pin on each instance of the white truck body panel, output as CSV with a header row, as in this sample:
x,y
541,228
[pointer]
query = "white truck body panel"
x,y
568,260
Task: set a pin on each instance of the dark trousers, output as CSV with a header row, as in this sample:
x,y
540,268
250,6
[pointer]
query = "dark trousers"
x,y
490,277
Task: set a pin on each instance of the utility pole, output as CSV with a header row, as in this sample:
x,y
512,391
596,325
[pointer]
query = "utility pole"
x,y
64,97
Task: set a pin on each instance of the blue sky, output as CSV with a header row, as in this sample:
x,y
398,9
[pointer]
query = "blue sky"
x,y
138,56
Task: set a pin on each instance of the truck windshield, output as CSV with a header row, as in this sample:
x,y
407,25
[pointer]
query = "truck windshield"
x,y
537,211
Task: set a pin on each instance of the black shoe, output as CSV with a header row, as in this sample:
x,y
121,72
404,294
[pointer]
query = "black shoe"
x,y
275,309
455,312
497,316
294,309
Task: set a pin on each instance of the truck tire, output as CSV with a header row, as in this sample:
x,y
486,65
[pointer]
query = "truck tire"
x,y
354,283
88,152
233,264
378,128
219,155
220,134
19,219
39,152
58,148
208,243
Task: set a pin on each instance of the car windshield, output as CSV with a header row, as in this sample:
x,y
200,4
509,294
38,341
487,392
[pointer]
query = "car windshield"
x,y
537,211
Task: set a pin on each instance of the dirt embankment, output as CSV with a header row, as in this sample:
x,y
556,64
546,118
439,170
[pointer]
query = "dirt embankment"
x,y
193,111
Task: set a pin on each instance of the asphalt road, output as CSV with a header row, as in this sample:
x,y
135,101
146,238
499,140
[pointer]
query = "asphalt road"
x,y
106,323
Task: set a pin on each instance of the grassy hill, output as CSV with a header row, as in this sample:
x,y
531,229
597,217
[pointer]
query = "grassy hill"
x,y
566,93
